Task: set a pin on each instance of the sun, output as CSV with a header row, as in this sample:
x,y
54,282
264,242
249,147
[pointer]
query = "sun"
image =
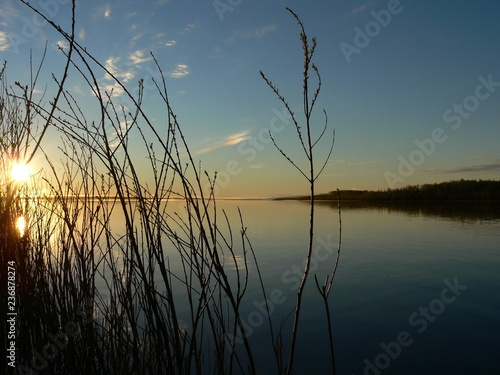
x,y
20,172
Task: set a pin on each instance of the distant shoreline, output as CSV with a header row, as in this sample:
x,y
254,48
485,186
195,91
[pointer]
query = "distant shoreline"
x,y
305,198
452,191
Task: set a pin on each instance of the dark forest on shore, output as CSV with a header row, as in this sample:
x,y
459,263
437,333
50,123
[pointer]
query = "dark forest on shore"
x,y
460,190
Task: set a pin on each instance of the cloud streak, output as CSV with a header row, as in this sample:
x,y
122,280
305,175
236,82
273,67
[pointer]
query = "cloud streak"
x,y
492,167
137,57
168,43
108,84
230,140
361,8
258,32
4,41
180,71
62,44
123,75
485,158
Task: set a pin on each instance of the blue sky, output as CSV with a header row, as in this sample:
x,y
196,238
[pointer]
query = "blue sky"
x,y
412,88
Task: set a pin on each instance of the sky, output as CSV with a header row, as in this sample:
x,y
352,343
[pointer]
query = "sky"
x,y
412,88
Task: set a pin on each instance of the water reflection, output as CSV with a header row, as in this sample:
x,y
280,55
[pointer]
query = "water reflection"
x,y
458,211
21,226
389,267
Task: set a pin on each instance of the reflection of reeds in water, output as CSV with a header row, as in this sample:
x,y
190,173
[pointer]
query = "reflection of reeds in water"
x,y
96,299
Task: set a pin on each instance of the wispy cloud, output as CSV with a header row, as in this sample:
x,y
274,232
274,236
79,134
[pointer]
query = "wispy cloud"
x,y
258,32
124,126
62,44
81,34
359,9
137,57
180,71
110,64
230,140
485,158
123,75
4,41
113,89
77,89
121,71
492,167
189,27
168,43
134,39
257,166
118,135
8,14
107,12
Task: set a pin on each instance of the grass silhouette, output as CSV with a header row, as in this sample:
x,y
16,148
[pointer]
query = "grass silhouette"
x,y
94,299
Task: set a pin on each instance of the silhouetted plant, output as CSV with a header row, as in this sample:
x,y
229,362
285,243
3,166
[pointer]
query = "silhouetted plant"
x,y
117,285
308,142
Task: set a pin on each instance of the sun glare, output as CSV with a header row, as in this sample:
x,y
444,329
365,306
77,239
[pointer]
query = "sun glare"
x,y
20,172
21,225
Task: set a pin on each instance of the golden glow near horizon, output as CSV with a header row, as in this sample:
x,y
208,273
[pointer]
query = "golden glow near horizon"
x,y
20,172
21,225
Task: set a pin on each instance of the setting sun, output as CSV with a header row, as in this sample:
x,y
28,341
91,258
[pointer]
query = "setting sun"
x,y
20,172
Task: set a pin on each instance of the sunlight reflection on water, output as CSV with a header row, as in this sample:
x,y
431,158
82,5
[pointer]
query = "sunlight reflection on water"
x,y
21,225
394,260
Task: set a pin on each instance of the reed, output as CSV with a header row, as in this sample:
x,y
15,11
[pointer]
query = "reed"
x,y
309,140
97,299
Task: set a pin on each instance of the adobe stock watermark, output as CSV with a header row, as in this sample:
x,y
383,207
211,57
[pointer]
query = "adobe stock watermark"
x,y
31,26
224,6
322,250
372,29
454,116
420,320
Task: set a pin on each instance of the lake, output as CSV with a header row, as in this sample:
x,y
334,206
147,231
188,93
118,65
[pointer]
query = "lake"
x,y
416,292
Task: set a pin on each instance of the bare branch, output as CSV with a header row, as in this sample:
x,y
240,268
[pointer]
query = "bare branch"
x,y
63,80
327,157
292,114
286,157
316,93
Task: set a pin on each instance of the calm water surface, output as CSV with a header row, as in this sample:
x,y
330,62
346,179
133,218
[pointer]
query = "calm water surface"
x,y
426,275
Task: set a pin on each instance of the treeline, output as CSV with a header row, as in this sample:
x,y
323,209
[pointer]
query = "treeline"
x,y
461,190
